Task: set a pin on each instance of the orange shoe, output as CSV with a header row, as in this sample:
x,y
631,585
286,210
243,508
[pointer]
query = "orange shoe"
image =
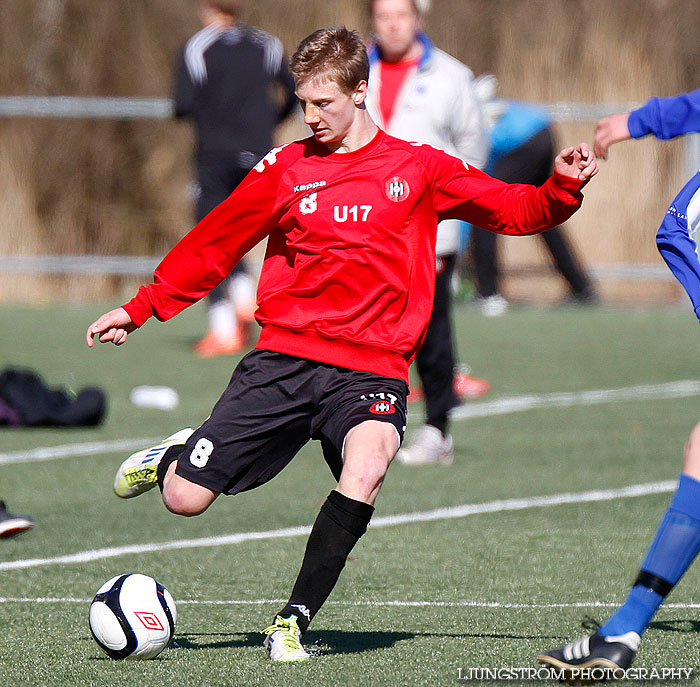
x,y
213,345
245,311
465,386
242,295
415,393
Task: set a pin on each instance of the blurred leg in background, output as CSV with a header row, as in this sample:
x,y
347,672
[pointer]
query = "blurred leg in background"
x,y
529,163
232,303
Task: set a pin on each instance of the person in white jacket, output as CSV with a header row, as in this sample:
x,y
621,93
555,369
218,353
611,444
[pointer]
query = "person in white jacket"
x,y
420,93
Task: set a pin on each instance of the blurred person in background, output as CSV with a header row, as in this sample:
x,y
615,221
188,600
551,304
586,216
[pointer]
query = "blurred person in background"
x,y
522,151
420,93
10,524
232,80
676,542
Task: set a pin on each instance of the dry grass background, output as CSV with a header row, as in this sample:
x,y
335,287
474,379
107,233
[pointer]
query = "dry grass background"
x,y
108,187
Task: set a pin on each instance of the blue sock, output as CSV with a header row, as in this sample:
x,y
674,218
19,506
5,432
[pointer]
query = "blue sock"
x,y
673,549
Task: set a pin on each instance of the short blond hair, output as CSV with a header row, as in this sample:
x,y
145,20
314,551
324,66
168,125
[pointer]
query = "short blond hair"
x,y
334,54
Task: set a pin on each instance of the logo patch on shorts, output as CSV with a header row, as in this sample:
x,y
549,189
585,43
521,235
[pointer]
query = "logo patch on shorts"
x,y
382,408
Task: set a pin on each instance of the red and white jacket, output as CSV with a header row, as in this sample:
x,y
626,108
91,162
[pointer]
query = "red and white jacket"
x,y
349,272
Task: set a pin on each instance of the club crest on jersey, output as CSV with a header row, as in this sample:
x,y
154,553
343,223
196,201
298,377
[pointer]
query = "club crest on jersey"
x,y
396,189
382,408
307,204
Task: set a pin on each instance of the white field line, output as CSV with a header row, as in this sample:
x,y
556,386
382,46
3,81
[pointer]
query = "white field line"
x,y
516,404
369,603
449,513
74,450
499,406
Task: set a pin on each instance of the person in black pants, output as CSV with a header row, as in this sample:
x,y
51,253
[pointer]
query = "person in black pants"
x,y
417,92
522,152
225,83
436,359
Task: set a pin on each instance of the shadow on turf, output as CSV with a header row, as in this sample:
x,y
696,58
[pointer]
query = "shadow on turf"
x,y
329,641
688,625
676,625
217,640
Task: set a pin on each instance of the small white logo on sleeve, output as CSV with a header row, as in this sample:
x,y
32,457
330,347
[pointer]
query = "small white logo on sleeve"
x,y
269,159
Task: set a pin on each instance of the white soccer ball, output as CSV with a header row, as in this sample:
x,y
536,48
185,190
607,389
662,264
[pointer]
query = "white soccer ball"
x,y
132,616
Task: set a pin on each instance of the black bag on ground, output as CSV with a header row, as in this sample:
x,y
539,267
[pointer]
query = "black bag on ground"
x,y
28,402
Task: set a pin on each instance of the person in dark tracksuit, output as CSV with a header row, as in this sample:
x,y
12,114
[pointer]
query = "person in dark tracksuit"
x,y
233,82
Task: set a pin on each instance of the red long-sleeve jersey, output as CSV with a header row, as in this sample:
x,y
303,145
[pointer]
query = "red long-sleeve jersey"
x,y
349,273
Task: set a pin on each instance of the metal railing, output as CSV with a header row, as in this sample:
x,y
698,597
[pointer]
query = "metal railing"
x,y
162,108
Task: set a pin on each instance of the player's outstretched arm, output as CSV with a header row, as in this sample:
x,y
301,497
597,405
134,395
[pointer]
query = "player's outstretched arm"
x,y
609,130
112,326
576,161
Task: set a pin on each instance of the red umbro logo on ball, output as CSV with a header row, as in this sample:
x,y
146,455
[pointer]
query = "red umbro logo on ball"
x,y
382,408
149,620
396,189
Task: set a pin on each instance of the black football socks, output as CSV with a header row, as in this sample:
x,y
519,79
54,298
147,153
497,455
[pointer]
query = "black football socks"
x,y
340,523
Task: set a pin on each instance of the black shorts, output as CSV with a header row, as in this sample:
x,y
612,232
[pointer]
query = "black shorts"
x,y
272,406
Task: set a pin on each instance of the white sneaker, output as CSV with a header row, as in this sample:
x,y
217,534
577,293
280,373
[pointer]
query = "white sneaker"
x,y
242,293
283,641
428,447
139,472
493,306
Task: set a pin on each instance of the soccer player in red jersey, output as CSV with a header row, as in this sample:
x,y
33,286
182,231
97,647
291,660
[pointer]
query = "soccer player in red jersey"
x,y
344,299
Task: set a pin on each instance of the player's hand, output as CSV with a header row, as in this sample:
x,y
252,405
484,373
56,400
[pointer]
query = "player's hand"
x,y
112,326
610,130
576,161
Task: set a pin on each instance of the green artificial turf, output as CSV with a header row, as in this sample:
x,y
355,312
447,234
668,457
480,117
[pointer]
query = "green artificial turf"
x,y
417,602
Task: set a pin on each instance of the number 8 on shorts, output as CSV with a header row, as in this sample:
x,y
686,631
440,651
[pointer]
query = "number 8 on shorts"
x,y
201,452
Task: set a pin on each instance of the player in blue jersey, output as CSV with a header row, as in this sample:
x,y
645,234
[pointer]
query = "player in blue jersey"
x,y
677,541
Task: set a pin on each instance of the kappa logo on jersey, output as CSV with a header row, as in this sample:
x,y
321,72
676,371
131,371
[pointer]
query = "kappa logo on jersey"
x,y
308,204
310,186
382,408
397,189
